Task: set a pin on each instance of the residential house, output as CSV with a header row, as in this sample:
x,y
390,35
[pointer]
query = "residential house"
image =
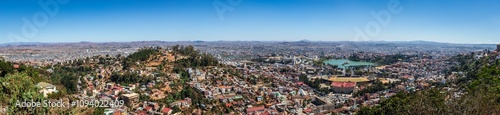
x,y
46,88
255,110
131,99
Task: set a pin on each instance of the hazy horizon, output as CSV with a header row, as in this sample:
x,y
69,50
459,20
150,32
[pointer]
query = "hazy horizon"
x,y
312,41
55,21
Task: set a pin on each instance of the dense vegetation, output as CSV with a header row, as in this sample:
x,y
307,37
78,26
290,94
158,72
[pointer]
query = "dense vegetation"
x,y
482,84
315,84
377,86
421,103
199,60
320,62
194,58
19,87
130,78
18,84
17,81
142,54
68,77
8,68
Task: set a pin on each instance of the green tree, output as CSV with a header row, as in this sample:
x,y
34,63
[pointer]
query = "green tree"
x,y
98,111
70,83
482,86
5,67
19,87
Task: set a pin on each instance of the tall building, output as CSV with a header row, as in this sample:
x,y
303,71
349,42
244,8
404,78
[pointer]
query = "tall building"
x,y
498,47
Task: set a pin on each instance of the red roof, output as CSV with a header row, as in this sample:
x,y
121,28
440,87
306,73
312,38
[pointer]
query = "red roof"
x,y
349,84
118,88
142,113
148,108
343,84
265,113
308,110
253,109
117,113
337,84
166,110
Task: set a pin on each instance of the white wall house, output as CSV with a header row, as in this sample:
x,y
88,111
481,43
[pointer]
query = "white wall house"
x,y
46,88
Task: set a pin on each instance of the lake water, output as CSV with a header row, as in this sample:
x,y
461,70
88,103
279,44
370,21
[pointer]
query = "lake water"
x,y
341,63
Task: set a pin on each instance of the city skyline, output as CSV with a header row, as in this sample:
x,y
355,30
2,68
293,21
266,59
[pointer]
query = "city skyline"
x,y
245,20
249,57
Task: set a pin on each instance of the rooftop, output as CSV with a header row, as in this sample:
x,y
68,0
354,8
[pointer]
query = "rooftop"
x,y
253,109
131,95
45,85
348,79
343,84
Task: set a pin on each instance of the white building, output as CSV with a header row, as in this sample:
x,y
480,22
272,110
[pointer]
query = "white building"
x,y
46,88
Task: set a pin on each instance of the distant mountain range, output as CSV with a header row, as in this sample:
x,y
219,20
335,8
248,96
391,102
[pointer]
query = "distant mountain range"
x,y
304,41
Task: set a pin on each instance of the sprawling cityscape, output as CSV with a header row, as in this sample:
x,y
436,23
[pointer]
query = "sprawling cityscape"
x,y
305,77
249,57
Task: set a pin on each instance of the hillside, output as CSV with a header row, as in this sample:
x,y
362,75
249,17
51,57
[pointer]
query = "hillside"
x,y
480,85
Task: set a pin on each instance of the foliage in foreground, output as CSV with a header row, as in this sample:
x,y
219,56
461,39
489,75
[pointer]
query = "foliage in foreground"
x,y
19,87
483,95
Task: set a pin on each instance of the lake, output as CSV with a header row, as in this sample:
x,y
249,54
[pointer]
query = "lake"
x,y
341,63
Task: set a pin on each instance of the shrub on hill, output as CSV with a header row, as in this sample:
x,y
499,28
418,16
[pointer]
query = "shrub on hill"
x,y
19,87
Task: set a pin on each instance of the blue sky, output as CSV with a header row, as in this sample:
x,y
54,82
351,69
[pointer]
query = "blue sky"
x,y
455,21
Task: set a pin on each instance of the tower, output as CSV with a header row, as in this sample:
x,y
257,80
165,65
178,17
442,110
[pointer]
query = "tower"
x,y
343,71
352,71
